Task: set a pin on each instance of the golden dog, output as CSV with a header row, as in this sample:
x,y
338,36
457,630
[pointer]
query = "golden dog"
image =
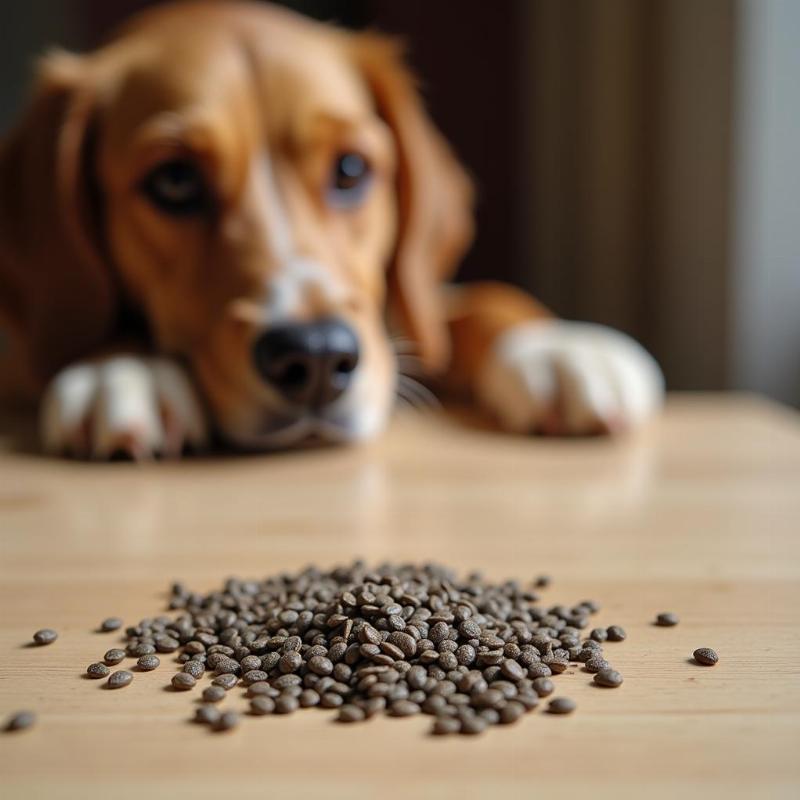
x,y
209,224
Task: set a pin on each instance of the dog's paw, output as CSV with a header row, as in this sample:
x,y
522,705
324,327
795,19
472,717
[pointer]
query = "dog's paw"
x,y
129,405
569,378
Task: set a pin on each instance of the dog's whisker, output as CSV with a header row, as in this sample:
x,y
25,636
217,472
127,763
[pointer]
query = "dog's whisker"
x,y
419,391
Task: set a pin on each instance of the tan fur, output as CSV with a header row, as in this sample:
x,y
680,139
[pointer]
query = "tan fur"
x,y
78,241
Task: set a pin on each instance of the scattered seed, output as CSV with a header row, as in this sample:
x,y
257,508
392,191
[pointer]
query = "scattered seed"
x,y
667,619
226,721
705,656
561,705
350,713
208,715
111,624
225,681
543,687
113,656
616,634
45,636
119,679
20,720
261,705
149,662
97,670
183,681
608,677
213,694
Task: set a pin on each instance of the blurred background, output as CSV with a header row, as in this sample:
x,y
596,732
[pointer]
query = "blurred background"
x,y
637,160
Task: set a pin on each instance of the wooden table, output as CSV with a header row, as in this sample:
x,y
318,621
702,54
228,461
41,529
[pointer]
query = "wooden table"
x,y
698,514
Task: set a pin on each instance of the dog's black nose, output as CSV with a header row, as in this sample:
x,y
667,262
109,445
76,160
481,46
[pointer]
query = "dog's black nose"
x,y
309,363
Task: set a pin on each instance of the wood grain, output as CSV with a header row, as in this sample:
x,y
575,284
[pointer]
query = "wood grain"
x,y
697,515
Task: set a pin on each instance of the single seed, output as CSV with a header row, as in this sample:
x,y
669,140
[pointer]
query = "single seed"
x,y
561,705
118,679
403,708
45,636
113,656
543,687
183,681
512,670
350,713
208,715
262,705
446,725
225,681
110,624
473,725
213,694
615,633
608,677
705,656
20,720
667,619
227,721
97,670
511,712
286,704
148,663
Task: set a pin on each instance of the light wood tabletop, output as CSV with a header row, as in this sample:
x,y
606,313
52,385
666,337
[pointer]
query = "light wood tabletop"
x,y
699,514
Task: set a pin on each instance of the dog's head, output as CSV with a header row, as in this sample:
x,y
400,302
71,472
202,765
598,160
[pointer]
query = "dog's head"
x,y
260,187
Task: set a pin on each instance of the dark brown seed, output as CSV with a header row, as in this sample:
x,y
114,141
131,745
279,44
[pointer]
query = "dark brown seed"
x,y
615,633
511,712
225,681
331,700
194,668
110,624
561,705
254,676
320,665
118,679
113,656
309,698
148,663
596,664
213,694
20,720
97,670
262,705
512,670
285,681
543,687
183,681
286,704
599,634
290,662
350,713
403,708
542,581
446,725
208,715
609,678
705,656
227,721
473,725
45,636
667,619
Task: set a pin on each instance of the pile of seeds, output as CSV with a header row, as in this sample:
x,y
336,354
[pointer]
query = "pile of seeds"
x,y
399,640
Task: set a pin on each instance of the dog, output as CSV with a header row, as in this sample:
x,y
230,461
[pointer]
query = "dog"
x,y
210,225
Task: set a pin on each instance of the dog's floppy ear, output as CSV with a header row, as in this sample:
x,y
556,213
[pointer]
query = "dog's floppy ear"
x,y
435,200
56,294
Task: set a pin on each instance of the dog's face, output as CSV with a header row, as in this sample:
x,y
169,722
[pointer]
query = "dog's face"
x,y
251,210
259,182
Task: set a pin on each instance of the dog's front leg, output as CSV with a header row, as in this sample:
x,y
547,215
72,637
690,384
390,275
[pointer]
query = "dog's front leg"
x,y
140,406
536,373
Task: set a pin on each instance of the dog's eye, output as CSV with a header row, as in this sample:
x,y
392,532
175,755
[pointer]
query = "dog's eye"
x,y
177,187
349,180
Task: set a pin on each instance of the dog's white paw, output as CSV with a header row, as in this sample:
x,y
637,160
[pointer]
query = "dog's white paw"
x,y
568,378
137,406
